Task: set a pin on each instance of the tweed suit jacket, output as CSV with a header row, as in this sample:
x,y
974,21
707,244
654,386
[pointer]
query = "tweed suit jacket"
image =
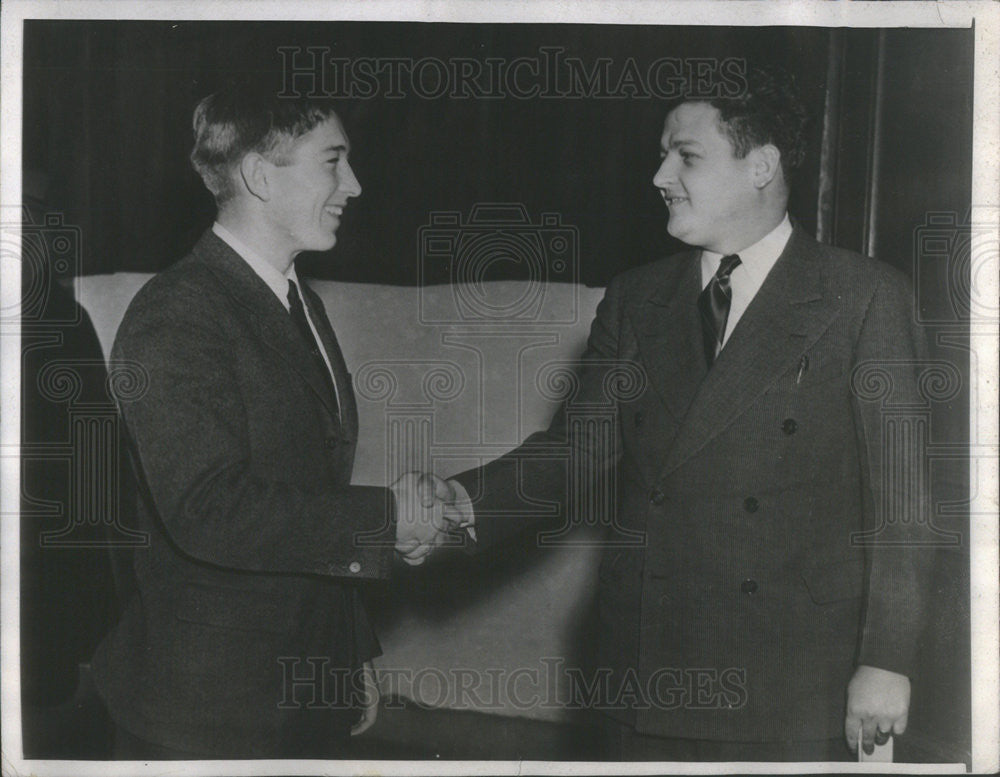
x,y
257,546
752,591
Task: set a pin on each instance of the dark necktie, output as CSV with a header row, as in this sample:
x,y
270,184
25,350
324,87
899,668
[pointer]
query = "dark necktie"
x,y
298,314
714,302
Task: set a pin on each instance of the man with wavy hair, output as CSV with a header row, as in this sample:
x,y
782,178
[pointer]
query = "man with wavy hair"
x,y
774,605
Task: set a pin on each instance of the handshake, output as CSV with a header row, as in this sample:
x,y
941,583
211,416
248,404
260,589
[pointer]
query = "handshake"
x,y
427,509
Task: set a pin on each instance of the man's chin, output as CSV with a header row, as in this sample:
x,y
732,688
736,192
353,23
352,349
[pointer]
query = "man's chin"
x,y
686,236
677,231
324,245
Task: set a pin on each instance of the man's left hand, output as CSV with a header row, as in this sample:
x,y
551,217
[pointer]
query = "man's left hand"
x,y
878,702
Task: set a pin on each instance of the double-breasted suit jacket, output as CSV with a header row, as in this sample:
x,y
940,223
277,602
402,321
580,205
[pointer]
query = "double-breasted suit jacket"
x,y
257,541
754,593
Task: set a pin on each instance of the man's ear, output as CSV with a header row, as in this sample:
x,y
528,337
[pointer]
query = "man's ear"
x,y
253,172
766,161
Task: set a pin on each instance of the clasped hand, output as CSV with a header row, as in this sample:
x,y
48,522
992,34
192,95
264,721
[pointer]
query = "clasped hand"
x,y
425,513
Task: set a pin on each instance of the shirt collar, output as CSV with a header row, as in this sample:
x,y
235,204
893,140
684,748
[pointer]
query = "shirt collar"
x,y
757,259
267,272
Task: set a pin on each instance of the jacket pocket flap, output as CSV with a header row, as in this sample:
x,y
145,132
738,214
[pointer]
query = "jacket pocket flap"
x,y
232,608
834,582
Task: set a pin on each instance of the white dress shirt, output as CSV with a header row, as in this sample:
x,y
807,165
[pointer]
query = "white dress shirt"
x,y
745,281
276,282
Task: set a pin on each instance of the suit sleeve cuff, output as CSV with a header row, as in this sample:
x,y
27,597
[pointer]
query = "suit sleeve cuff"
x,y
893,658
372,539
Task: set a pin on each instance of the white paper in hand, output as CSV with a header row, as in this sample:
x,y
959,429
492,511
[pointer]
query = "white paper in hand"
x,y
881,754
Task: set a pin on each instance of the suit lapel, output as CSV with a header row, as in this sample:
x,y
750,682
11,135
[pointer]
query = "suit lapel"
x,y
669,334
787,315
264,312
341,376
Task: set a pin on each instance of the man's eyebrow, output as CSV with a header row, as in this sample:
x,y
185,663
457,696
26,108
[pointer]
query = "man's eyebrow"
x,y
685,142
330,149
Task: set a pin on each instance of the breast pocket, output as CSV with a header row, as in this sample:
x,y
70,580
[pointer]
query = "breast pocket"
x,y
818,366
817,380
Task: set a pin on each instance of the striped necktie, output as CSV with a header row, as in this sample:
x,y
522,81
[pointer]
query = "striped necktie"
x,y
714,302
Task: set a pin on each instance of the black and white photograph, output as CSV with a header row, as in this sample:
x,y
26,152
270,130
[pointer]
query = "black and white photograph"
x,y
499,388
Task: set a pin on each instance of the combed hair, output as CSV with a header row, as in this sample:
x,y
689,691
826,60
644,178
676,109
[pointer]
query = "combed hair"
x,y
234,122
769,110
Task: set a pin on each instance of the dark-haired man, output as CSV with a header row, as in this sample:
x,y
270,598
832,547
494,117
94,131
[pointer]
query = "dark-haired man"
x,y
249,633
752,610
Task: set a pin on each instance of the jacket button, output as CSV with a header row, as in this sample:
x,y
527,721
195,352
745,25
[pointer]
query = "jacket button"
x,y
749,587
354,567
639,419
750,504
331,442
657,497
789,426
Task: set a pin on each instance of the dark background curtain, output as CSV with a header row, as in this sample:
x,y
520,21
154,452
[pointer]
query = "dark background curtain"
x,y
108,111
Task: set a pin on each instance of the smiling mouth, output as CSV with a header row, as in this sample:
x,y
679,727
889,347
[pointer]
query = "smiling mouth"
x,y
674,200
334,210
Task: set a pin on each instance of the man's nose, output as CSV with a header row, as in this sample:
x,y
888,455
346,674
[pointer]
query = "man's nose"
x,y
664,173
349,183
